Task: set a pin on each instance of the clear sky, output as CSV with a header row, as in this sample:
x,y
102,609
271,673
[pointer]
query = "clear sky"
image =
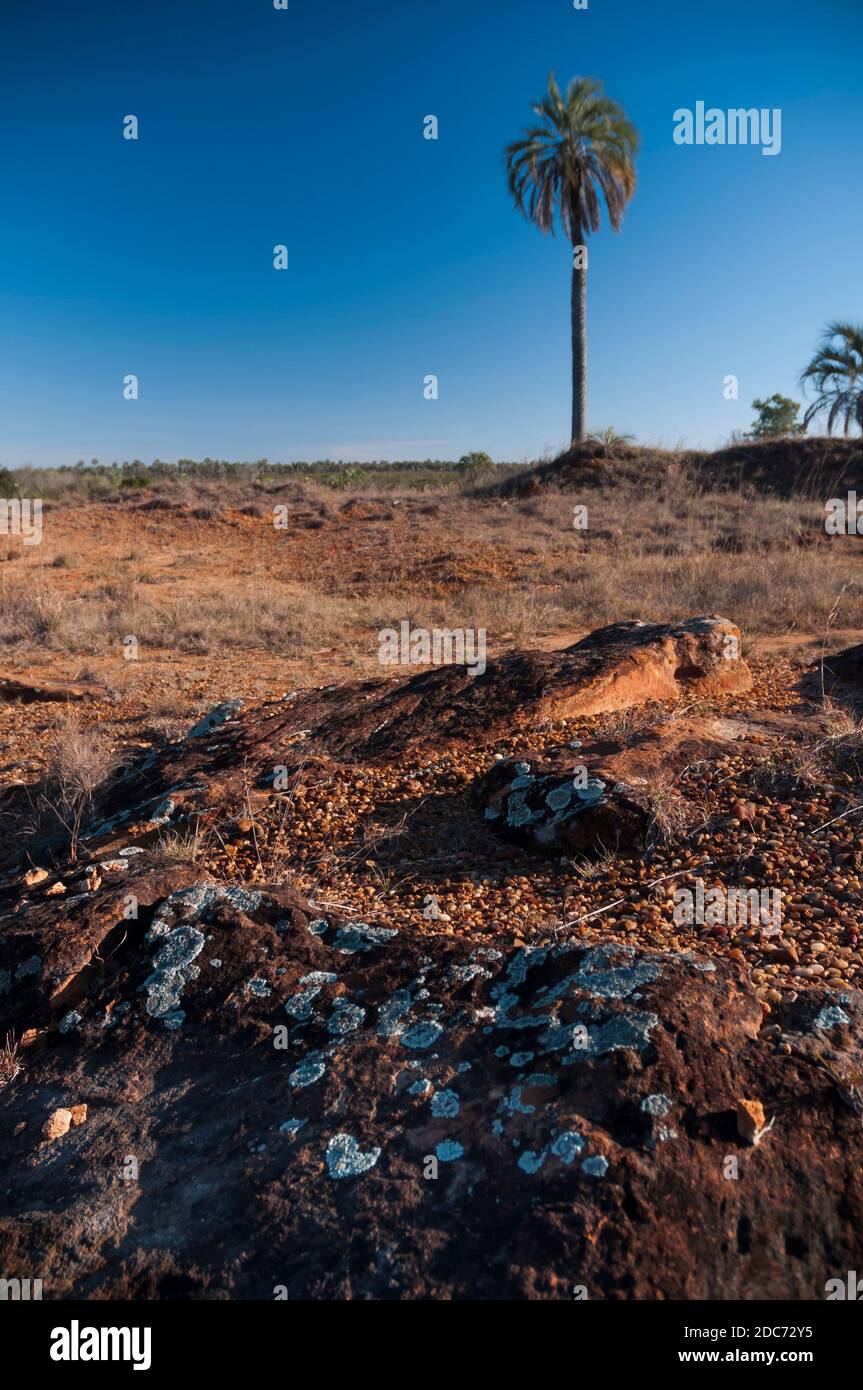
x,y
305,127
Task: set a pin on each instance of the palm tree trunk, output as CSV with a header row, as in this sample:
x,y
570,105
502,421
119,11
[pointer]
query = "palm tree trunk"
x,y
579,345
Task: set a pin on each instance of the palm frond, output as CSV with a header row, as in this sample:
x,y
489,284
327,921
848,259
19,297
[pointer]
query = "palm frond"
x,y
836,374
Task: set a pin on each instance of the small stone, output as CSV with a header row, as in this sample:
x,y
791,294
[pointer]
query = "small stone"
x,y
750,1120
34,876
57,1124
55,890
78,1113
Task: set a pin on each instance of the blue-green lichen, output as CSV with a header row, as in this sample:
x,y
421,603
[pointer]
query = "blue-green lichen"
x,y
345,1158
445,1105
448,1150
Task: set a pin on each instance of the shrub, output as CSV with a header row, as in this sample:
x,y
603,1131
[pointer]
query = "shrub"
x,y
8,484
776,416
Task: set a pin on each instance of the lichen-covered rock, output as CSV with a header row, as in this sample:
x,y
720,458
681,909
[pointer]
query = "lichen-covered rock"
x,y
55,950
412,1118
604,793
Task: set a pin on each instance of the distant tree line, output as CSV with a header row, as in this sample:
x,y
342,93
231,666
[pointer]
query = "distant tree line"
x,y
137,473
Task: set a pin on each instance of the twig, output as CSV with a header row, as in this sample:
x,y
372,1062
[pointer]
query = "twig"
x,y
598,911
852,811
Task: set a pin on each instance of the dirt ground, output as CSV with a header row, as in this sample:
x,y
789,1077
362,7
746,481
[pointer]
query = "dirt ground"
x,y
171,602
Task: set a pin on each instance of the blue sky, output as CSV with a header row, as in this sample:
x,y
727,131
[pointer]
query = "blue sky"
x,y
304,127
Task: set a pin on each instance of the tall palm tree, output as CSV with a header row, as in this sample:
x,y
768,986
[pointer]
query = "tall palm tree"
x,y
836,372
583,143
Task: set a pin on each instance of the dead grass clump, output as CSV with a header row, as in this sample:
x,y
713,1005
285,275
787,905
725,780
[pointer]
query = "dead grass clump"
x,y
191,846
669,813
842,748
624,725
79,762
10,1060
30,615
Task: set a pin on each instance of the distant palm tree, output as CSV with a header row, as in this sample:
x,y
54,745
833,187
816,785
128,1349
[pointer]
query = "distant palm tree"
x,y
584,142
836,371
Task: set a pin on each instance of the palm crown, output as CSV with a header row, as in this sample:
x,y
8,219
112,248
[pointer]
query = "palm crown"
x,y
585,145
836,372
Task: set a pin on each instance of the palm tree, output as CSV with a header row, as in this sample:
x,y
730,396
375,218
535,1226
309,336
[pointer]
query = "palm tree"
x,y
583,143
836,372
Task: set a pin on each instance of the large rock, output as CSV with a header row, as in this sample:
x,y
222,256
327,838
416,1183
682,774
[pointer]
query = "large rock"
x,y
51,953
279,1100
604,793
637,662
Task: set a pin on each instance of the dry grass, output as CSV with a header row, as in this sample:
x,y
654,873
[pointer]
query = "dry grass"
x,y
30,615
624,725
842,748
516,611
669,813
659,548
10,1061
191,846
78,764
656,554
98,621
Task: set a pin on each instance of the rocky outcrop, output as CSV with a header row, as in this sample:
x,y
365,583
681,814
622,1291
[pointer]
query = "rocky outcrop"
x,y
278,1099
234,755
52,950
636,662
